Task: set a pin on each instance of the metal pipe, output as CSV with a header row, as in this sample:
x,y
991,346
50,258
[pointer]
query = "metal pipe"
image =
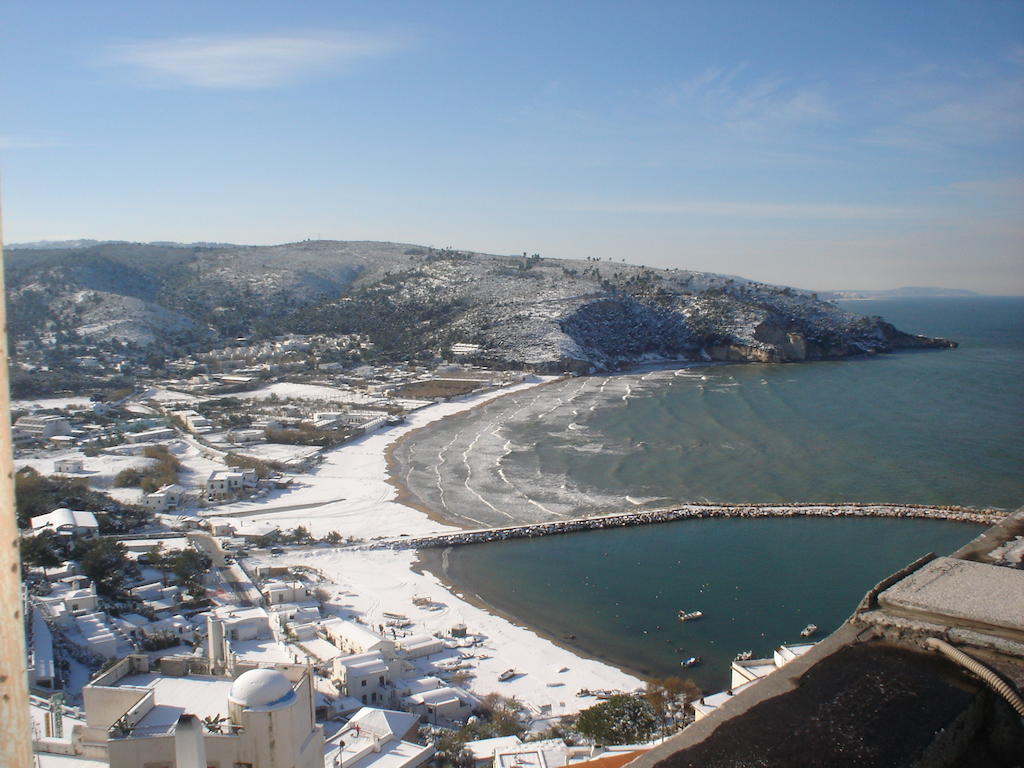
x,y
988,676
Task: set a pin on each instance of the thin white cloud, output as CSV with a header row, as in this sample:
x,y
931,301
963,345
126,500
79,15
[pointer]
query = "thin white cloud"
x,y
729,98
757,210
251,62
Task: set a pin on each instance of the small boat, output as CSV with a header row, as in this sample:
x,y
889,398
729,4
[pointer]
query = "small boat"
x,y
693,661
744,656
684,616
809,630
508,674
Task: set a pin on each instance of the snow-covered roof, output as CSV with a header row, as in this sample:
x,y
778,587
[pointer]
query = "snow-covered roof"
x,y
65,518
261,688
384,722
483,749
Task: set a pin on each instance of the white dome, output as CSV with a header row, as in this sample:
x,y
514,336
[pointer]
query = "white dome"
x,y
261,688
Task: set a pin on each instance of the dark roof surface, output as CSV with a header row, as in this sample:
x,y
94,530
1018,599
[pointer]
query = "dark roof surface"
x,y
868,705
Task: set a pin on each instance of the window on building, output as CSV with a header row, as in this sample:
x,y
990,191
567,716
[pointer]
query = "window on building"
x,y
363,683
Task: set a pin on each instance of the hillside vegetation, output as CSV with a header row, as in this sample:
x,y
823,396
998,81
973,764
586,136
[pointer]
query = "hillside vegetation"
x,y
523,311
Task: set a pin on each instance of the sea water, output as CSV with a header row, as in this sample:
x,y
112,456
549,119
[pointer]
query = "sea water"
x,y
929,427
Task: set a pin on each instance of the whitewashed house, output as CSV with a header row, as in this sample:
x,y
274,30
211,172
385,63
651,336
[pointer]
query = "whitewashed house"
x,y
224,483
68,466
377,737
162,499
355,638
66,522
364,676
276,592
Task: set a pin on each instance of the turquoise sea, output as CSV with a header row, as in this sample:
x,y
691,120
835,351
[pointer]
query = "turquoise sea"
x,y
939,427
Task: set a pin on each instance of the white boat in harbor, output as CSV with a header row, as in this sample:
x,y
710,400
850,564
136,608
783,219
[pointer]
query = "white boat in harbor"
x,y
689,616
693,661
744,656
809,630
507,675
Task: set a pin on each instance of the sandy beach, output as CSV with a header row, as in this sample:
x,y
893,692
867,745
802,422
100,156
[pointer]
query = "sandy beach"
x,y
352,493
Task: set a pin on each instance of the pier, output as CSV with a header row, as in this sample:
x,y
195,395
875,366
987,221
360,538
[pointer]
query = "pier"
x,y
693,512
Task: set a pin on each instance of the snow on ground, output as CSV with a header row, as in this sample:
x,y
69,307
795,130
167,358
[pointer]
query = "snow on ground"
x,y
368,583
166,396
50,402
349,493
99,470
274,451
285,390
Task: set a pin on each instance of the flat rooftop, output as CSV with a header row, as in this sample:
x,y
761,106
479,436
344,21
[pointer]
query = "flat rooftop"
x,y
199,695
968,593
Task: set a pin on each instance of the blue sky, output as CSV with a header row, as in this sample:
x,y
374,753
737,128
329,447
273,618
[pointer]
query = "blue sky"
x,y
818,144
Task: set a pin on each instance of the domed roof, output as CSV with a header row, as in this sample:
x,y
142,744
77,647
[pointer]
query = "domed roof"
x,y
261,688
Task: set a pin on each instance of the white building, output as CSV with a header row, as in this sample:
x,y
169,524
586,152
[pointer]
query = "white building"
x,y
277,592
377,737
150,435
162,499
266,717
444,703
746,673
550,753
355,638
67,522
223,483
43,426
238,436
194,422
68,466
364,676
419,646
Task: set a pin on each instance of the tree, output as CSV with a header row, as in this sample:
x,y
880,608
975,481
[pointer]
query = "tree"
x,y
670,697
188,565
158,559
333,538
622,719
41,550
103,561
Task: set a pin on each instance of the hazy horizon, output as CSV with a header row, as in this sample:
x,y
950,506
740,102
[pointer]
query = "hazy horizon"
x,y
865,145
42,244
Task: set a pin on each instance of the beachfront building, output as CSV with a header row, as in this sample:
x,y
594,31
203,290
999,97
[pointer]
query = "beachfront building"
x,y
149,718
745,673
378,737
419,646
364,676
69,523
277,592
446,703
356,638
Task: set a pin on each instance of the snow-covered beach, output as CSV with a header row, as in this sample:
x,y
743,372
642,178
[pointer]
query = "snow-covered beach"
x,y
350,493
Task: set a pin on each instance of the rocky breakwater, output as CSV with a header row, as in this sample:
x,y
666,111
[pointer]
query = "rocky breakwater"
x,y
694,512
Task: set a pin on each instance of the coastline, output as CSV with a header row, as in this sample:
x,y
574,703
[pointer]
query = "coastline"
x,y
403,495
435,562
